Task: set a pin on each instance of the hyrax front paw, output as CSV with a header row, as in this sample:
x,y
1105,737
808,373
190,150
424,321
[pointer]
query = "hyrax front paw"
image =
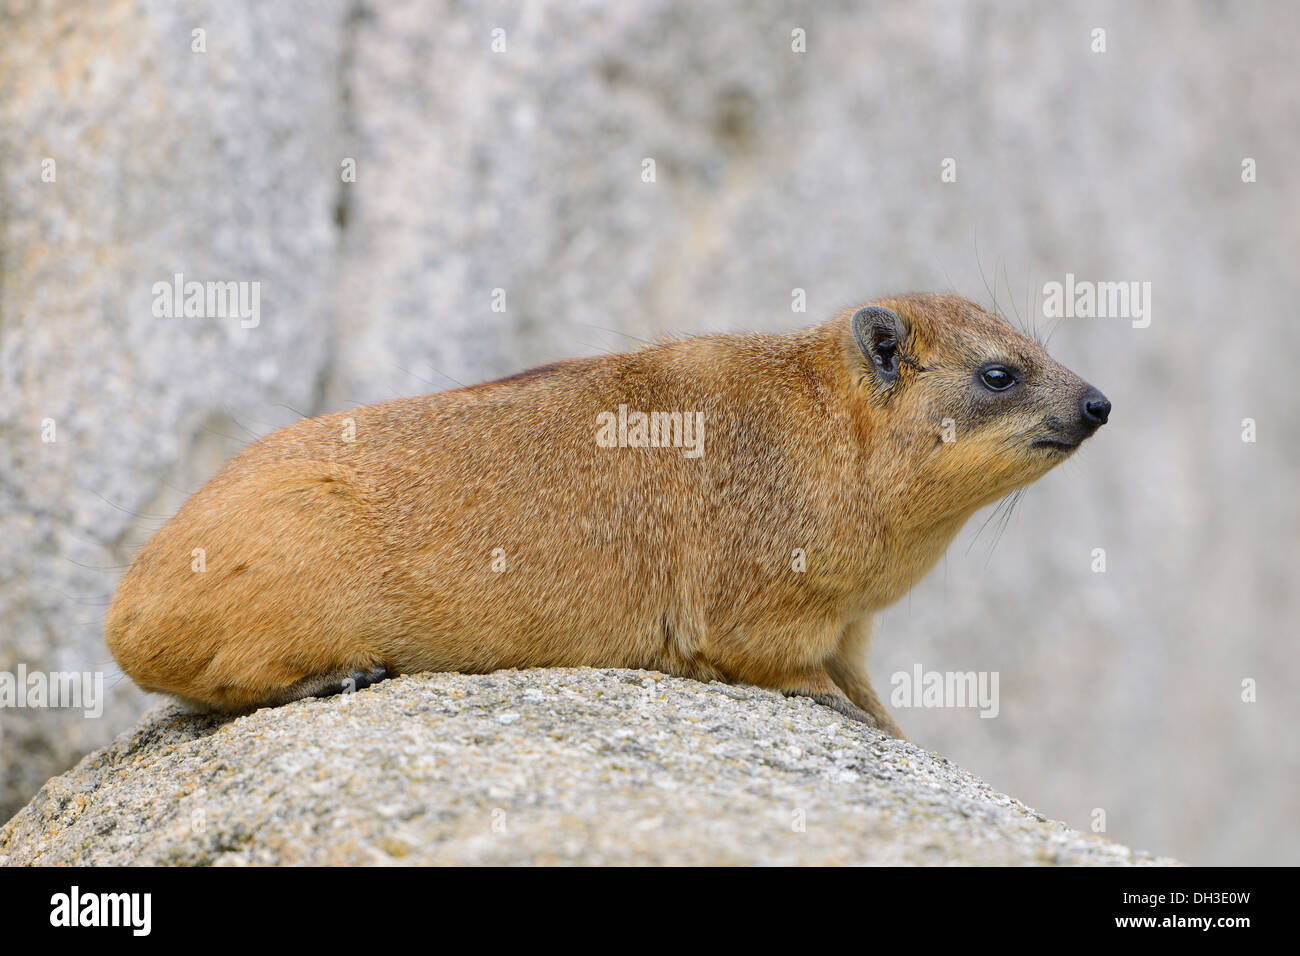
x,y
841,704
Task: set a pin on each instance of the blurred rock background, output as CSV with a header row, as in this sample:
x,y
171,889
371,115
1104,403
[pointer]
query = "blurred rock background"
x,y
521,170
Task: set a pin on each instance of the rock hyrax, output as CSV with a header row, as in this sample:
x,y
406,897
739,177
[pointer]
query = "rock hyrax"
x,y
731,507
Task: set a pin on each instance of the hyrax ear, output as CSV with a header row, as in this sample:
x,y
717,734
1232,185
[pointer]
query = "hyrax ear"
x,y
880,334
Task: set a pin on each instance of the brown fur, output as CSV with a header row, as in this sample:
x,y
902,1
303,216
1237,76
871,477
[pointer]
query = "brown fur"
x,y
326,557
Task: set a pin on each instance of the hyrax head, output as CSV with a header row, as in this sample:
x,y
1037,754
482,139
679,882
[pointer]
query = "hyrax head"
x,y
966,406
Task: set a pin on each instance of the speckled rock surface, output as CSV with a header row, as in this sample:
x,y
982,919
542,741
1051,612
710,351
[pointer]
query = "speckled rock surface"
x,y
543,767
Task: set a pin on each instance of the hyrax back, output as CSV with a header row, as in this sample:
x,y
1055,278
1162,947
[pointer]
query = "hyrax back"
x,y
797,484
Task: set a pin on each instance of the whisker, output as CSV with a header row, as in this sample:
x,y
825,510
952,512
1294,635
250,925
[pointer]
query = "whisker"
x,y
135,514
290,408
231,415
992,515
598,348
629,335
425,380
237,441
983,278
1013,499
96,567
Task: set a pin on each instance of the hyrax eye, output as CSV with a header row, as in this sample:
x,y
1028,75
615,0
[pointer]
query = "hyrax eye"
x,y
997,378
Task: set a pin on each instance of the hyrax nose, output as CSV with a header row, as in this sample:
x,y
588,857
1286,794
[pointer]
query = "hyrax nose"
x,y
1095,407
